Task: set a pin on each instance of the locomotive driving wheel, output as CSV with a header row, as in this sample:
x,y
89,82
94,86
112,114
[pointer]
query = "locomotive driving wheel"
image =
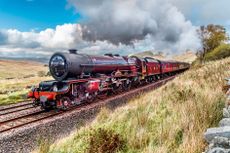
x,y
66,103
91,97
117,89
126,85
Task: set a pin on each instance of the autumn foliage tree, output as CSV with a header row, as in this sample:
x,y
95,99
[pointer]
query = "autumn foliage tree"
x,y
211,37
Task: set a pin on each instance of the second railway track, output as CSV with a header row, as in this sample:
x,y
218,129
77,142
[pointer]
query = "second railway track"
x,y
24,120
15,110
4,110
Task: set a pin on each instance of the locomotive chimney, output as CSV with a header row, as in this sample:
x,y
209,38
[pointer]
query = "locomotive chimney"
x,y
73,51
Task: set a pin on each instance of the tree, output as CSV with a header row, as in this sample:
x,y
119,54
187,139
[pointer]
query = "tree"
x,y
211,36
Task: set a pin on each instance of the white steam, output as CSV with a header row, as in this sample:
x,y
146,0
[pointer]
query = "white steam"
x,y
129,21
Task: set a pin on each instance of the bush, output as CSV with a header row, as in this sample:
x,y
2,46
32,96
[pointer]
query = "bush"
x,y
105,141
220,52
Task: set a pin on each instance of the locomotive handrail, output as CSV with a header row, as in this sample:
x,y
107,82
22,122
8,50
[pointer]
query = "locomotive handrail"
x,y
91,65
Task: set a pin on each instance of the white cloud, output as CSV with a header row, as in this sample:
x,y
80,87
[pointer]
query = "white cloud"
x,y
64,36
40,43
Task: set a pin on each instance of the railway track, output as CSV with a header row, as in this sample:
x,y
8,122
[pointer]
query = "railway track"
x,y
14,110
37,115
14,106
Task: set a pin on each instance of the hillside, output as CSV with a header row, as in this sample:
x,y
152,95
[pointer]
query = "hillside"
x,y
150,54
16,78
169,119
19,69
188,56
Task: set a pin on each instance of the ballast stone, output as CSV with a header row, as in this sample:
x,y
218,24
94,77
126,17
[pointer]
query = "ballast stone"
x,y
211,133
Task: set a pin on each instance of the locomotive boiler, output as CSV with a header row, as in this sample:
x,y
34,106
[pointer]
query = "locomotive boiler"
x,y
72,65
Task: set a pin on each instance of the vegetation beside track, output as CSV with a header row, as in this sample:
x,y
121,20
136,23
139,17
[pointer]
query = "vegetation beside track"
x,y
220,52
169,119
16,78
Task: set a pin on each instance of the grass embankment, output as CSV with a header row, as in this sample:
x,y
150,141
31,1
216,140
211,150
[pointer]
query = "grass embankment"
x,y
169,119
16,78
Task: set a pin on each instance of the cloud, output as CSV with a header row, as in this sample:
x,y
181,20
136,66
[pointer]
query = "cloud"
x,y
205,11
63,36
40,43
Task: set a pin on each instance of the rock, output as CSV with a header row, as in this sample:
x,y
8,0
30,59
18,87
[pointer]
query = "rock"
x,y
211,133
226,113
218,150
225,122
221,142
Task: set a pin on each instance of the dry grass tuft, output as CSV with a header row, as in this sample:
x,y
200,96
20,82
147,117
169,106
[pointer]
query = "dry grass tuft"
x,y
105,141
170,119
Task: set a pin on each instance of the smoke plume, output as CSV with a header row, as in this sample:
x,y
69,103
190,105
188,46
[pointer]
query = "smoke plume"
x,y
130,21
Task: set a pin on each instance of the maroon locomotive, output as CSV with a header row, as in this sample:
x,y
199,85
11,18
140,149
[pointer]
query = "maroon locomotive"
x,y
81,78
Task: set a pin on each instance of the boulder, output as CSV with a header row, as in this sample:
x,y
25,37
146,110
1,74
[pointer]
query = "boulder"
x,y
213,133
226,112
218,150
225,122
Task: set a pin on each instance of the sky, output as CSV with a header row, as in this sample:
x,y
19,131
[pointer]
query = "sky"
x,y
35,29
26,15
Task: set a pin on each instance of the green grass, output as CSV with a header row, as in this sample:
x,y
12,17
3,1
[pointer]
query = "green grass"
x,y
13,97
169,119
15,90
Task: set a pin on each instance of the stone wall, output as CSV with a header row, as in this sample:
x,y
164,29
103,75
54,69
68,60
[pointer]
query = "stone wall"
x,y
219,138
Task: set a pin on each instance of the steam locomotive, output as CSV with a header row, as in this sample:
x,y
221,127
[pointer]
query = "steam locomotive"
x,y
81,78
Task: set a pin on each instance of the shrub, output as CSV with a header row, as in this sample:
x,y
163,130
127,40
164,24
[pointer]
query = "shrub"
x,y
220,52
42,73
105,141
